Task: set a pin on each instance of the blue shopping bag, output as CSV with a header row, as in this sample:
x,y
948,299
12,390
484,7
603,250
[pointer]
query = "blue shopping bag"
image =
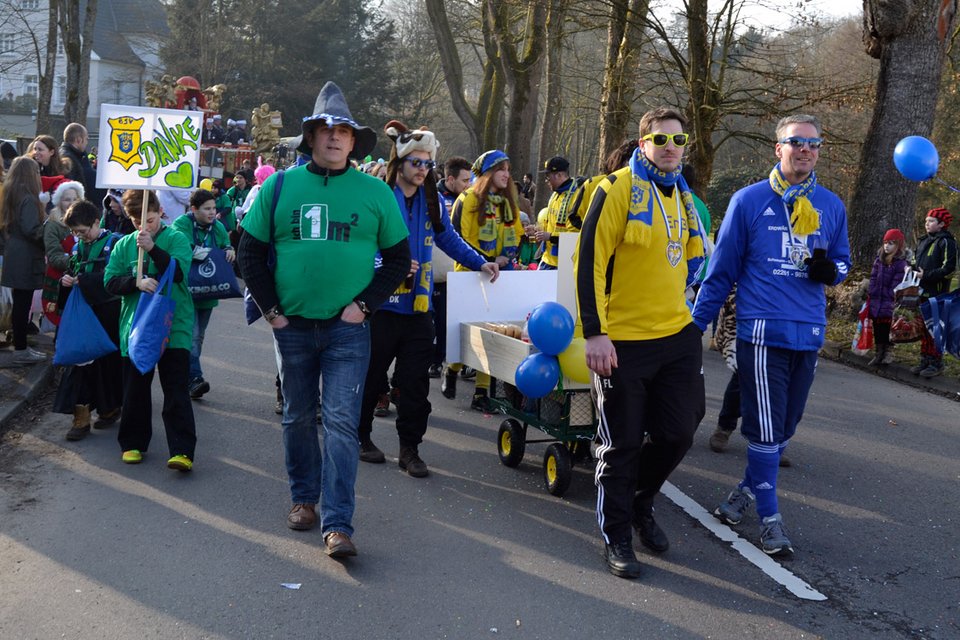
x,y
213,278
152,322
81,338
942,317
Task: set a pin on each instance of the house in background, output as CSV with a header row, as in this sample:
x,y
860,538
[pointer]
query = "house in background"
x,y
127,36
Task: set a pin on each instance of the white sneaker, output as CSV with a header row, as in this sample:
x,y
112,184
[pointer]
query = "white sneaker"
x,y
28,356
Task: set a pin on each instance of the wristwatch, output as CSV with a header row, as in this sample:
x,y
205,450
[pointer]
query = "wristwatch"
x,y
272,313
363,307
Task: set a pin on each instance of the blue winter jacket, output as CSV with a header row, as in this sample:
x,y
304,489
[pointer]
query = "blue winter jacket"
x,y
777,304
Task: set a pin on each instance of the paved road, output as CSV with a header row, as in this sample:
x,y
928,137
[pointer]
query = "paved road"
x,y
91,548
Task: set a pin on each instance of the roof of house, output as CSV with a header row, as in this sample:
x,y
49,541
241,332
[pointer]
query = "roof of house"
x,y
116,18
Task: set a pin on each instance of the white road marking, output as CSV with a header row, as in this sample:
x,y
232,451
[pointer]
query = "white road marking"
x,y
762,561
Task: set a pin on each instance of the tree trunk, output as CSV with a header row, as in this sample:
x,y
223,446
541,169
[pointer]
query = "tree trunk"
x,y
453,72
522,71
623,42
47,74
911,55
551,113
78,44
703,106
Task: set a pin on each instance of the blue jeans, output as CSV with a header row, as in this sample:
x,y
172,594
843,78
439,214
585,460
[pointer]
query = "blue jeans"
x,y
340,352
201,319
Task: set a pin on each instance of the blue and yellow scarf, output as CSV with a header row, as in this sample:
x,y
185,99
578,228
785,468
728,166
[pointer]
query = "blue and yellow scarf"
x,y
639,229
491,225
421,246
804,219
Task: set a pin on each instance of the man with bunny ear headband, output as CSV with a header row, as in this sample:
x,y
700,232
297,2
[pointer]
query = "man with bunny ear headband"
x,y
403,327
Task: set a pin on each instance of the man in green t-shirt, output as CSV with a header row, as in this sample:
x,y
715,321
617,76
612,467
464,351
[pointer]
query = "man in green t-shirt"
x,y
328,223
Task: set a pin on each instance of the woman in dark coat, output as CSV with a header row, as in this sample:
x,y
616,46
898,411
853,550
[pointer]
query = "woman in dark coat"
x,y
21,221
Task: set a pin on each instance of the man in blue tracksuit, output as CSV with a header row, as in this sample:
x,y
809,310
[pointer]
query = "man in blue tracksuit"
x,y
402,328
781,241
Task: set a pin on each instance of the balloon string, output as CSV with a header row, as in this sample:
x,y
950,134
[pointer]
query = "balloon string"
x,y
954,189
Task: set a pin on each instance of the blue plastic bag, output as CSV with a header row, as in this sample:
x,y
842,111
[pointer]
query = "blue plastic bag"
x,y
213,278
152,322
81,338
942,317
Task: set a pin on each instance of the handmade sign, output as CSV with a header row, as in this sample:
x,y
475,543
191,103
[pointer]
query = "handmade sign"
x,y
144,148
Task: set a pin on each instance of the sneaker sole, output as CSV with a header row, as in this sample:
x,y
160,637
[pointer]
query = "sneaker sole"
x,y
179,466
724,519
781,552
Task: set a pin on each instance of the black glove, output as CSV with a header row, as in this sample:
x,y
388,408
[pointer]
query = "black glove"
x,y
820,269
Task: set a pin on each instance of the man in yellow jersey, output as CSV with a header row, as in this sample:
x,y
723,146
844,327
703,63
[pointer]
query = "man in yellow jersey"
x,y
640,248
562,209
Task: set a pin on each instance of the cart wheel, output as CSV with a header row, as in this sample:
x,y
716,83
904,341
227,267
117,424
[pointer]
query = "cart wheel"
x,y
557,469
511,442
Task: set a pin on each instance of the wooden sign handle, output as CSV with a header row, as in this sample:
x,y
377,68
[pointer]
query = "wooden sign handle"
x,y
143,216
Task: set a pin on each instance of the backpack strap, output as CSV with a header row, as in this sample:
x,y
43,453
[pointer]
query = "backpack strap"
x,y
272,251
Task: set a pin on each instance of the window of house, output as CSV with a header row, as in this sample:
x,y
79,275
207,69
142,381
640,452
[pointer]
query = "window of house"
x,y
30,86
8,42
60,90
30,4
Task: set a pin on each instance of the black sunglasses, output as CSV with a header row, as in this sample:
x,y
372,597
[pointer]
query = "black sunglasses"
x,y
416,163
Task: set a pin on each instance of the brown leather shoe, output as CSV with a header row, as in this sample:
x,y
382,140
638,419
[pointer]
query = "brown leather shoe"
x,y
339,545
302,517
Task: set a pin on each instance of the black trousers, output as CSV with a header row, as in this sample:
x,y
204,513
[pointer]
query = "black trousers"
x,y
22,300
408,338
730,409
136,423
439,322
657,391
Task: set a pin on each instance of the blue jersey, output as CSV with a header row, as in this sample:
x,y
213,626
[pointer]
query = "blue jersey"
x,y
777,303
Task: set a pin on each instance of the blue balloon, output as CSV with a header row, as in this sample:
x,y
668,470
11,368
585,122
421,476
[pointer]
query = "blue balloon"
x,y
916,158
550,328
537,375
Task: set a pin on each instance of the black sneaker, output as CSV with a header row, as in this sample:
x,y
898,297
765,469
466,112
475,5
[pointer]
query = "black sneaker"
x,y
621,560
448,386
411,463
199,387
719,439
651,535
435,371
481,401
468,373
369,452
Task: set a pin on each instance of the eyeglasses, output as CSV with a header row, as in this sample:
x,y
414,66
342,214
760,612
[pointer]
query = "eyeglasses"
x,y
416,163
797,143
661,139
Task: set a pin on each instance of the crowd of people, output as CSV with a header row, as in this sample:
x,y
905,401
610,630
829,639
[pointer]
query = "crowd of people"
x,y
394,228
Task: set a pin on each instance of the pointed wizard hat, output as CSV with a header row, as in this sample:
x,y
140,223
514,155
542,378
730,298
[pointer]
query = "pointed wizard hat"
x,y
331,109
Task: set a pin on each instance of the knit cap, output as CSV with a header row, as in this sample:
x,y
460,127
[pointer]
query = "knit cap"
x,y
893,235
942,215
